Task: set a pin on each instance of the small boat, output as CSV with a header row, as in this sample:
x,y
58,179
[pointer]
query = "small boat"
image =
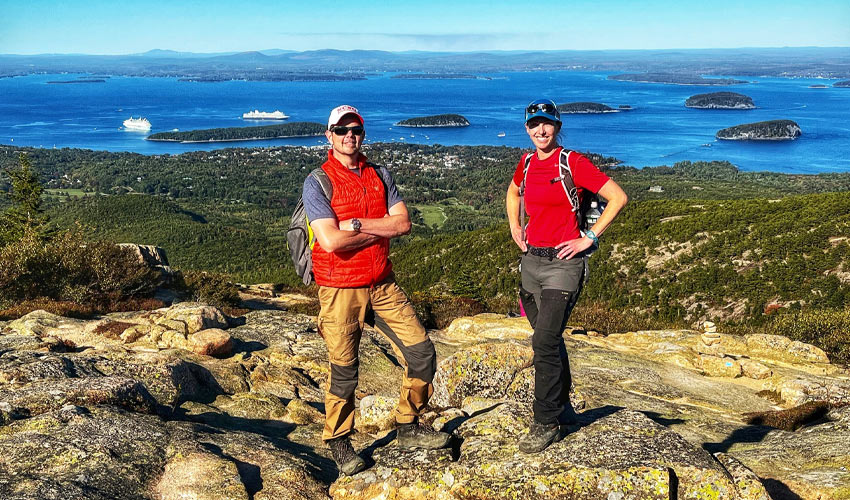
x,y
501,134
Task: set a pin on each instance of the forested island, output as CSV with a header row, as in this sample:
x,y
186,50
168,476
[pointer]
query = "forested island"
x,y
438,76
675,79
720,100
585,108
842,84
444,120
771,130
280,131
81,80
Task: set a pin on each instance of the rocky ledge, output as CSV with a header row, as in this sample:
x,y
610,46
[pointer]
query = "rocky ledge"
x,y
772,130
445,120
720,100
585,108
185,402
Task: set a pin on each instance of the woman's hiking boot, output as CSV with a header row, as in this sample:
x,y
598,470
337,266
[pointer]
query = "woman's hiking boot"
x,y
539,437
347,461
416,435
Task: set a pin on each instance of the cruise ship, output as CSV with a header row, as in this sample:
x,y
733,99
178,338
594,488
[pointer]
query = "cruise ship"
x,y
264,115
137,124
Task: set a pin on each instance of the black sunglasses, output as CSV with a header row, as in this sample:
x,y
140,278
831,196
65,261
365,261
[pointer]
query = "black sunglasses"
x,y
543,106
343,131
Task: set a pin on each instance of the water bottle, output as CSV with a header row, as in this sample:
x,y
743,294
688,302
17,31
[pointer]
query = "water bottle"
x,y
592,214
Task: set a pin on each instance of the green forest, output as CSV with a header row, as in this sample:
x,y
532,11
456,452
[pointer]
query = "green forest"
x,y
706,242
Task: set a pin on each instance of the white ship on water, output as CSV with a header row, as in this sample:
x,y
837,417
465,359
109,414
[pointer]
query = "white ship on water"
x,y
264,115
137,124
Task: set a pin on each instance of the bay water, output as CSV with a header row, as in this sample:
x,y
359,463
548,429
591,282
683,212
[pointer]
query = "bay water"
x,y
658,130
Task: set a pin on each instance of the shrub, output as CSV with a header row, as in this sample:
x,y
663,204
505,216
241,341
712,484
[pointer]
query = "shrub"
x,y
66,268
438,311
828,329
212,288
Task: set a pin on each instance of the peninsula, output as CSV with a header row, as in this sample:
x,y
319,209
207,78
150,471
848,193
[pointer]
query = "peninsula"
x,y
445,120
282,131
585,108
843,84
674,79
720,100
772,130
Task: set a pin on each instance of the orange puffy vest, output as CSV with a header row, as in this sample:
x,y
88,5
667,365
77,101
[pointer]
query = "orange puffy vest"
x,y
364,197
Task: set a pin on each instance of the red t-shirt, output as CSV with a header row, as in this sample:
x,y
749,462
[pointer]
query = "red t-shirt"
x,y
550,216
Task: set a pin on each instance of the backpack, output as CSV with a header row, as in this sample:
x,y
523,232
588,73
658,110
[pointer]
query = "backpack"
x,y
299,236
582,208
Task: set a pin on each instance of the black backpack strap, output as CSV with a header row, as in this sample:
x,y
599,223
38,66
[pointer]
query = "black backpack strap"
x,y
567,179
526,162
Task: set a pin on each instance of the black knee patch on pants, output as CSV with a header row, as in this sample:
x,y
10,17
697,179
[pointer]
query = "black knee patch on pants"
x,y
529,305
344,380
421,360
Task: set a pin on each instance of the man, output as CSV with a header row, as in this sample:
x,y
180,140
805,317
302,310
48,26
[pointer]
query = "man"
x,y
352,268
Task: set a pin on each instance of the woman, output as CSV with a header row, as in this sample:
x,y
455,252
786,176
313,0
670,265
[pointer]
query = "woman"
x,y
554,258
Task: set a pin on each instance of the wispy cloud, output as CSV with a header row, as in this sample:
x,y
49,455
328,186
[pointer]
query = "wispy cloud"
x,y
405,41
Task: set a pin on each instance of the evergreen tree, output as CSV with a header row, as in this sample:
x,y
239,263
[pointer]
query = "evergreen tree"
x,y
26,213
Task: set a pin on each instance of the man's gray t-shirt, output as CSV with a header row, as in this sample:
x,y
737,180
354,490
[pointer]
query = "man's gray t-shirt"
x,y
317,206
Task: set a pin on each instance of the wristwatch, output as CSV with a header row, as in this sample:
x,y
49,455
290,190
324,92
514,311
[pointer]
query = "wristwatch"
x,y
355,225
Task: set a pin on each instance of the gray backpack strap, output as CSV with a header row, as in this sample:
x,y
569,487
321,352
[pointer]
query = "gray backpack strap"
x,y
324,182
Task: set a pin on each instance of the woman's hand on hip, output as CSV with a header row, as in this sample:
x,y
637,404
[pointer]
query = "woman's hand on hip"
x,y
570,248
516,234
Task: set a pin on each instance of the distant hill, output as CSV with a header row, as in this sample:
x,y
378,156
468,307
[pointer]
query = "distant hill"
x,y
782,62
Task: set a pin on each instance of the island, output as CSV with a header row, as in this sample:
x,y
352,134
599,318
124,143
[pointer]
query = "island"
x,y
771,130
843,84
819,86
438,76
81,80
720,100
574,108
445,120
674,79
282,131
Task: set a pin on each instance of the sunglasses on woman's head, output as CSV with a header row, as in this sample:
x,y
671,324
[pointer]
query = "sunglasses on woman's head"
x,y
342,131
546,107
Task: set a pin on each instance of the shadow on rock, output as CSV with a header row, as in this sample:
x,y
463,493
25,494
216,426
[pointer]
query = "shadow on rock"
x,y
778,490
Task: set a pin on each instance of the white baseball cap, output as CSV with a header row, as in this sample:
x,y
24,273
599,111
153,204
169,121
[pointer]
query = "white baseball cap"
x,y
340,111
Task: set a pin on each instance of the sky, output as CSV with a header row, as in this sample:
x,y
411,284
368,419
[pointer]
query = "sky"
x,y
127,27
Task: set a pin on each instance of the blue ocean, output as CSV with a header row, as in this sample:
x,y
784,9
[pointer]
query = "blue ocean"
x,y
658,130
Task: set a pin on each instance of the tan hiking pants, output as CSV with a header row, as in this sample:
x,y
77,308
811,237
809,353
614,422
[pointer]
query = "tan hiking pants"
x,y
343,312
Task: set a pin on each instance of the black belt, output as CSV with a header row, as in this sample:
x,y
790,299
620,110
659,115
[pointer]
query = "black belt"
x,y
550,252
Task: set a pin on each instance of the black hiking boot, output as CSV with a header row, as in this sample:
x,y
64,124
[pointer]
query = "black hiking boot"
x,y
568,416
416,435
348,462
539,437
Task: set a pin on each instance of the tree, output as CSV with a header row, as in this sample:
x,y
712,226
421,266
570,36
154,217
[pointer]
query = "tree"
x,y
26,213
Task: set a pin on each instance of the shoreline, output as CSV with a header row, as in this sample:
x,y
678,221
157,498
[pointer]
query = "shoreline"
x,y
234,140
